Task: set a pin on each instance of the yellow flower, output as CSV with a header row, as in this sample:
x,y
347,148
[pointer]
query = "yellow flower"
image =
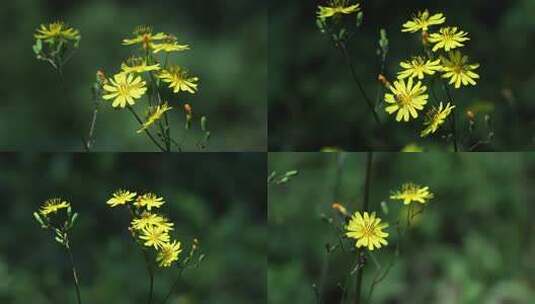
x,y
57,30
457,68
367,230
423,21
179,80
406,99
53,205
169,47
448,38
412,148
124,89
154,237
121,197
155,113
149,201
168,254
138,65
336,8
435,118
411,192
143,35
417,67
148,219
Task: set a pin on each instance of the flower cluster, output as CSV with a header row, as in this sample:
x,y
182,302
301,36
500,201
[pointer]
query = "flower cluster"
x,y
367,229
55,43
408,95
56,215
149,228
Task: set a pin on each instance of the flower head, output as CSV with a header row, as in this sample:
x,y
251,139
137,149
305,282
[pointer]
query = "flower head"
x,y
154,237
458,70
148,219
124,89
149,201
411,192
337,8
143,35
168,253
155,113
367,230
423,21
169,47
435,118
179,80
406,99
121,197
138,65
53,205
418,66
56,30
448,38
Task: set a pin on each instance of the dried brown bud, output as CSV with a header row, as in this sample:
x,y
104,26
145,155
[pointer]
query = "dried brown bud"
x,y
187,108
470,115
101,76
340,208
382,79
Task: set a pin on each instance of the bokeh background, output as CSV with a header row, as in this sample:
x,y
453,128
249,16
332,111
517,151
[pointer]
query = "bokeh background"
x,y
313,102
228,41
225,211
474,243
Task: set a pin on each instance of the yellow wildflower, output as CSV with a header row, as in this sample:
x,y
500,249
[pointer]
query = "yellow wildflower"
x,y
336,8
406,99
448,38
121,197
411,192
418,66
57,30
435,118
154,237
148,219
367,230
169,47
143,35
458,70
155,113
53,205
138,65
423,21
124,89
179,80
168,253
149,201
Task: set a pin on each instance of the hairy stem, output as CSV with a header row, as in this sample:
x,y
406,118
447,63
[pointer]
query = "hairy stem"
x,y
74,271
90,141
453,118
356,79
365,206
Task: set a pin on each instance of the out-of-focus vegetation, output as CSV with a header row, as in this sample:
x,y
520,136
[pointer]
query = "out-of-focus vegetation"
x,y
313,102
473,244
220,199
228,41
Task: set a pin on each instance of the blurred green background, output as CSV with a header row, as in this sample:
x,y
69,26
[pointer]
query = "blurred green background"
x,y
228,41
313,102
226,212
474,243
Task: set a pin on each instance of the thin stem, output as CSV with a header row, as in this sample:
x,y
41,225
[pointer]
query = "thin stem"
x,y
91,136
151,275
146,131
74,271
453,118
173,287
349,63
365,206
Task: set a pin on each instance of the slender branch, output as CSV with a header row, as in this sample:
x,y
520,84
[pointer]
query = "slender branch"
x,y
74,271
365,206
175,284
91,136
349,63
146,131
151,275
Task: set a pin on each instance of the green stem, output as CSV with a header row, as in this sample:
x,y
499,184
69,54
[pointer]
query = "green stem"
x,y
453,118
173,287
365,206
74,271
356,79
151,275
146,131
